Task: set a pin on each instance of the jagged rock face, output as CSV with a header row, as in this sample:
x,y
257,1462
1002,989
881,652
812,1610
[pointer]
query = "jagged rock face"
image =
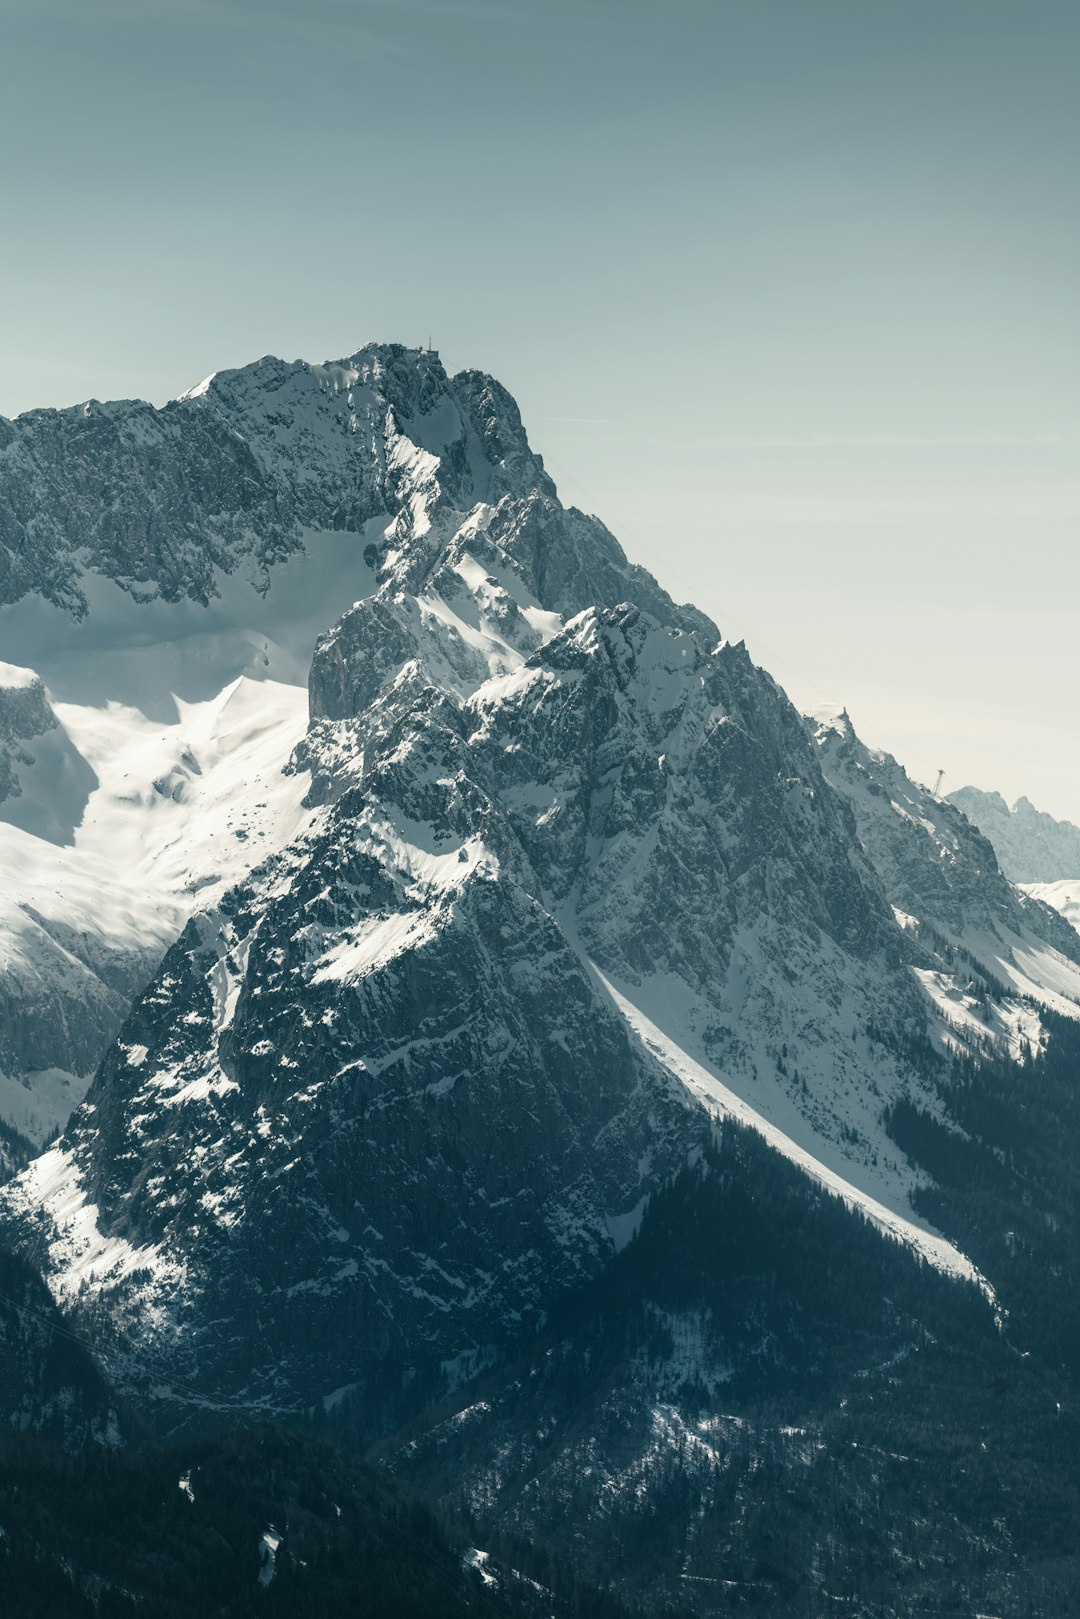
x,y
942,875
159,500
376,1115
1032,846
236,477
66,997
933,862
464,1114
678,789
25,712
379,1105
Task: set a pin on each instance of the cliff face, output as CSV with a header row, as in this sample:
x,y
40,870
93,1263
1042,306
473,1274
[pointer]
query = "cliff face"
x,y
25,712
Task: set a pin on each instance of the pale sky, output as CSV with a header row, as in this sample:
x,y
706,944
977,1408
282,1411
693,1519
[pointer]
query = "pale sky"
x,y
786,290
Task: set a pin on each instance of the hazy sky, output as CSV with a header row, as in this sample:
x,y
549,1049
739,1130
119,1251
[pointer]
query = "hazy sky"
x,y
786,289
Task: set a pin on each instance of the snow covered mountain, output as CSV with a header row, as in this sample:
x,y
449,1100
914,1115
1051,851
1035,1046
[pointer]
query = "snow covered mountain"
x,y
1032,846
1039,854
167,588
454,977
1063,896
984,950
487,976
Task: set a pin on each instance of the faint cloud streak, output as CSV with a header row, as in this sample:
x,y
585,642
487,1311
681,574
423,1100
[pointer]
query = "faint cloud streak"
x,y
888,441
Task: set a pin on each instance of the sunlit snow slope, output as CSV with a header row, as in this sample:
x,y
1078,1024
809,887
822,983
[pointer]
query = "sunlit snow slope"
x,y
160,783
1064,896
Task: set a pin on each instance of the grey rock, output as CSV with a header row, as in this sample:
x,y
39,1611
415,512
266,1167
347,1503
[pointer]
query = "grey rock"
x,y
1032,846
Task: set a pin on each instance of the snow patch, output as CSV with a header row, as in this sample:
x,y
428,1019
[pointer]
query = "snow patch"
x,y
79,1251
474,1561
269,1545
714,1095
15,678
200,389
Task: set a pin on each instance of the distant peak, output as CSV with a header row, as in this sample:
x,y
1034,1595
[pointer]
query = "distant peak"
x,y
983,798
199,389
832,717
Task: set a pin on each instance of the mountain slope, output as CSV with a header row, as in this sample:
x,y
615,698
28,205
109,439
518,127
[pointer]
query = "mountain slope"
x,y
981,949
524,766
174,815
734,1420
259,1522
524,1027
50,1386
149,559
1063,897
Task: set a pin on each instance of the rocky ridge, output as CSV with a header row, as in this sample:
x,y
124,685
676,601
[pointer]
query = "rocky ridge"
x,y
986,952
1032,846
569,878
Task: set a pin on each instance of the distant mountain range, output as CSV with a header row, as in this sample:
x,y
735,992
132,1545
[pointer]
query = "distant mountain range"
x,y
1031,846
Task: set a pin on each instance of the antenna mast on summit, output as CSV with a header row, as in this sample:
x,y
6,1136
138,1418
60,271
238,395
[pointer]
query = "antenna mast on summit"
x,y
937,784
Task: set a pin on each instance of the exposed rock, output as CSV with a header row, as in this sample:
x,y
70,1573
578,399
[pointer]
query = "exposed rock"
x,y
1031,846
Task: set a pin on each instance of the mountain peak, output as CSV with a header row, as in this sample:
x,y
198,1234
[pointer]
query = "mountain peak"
x,y
1032,846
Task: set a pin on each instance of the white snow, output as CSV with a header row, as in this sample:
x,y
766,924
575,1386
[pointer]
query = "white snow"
x,y
162,784
476,1561
1031,967
180,812
1063,896
707,1088
494,655
39,1102
183,808
199,389
372,944
269,1543
961,1026
78,1251
16,678
427,874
